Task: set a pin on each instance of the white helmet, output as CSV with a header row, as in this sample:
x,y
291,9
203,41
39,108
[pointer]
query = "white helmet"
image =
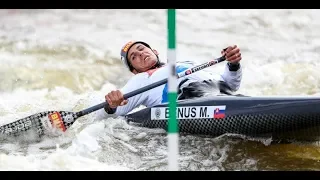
x,y
125,50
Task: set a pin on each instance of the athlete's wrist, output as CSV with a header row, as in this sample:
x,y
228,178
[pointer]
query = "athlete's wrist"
x,y
110,110
233,66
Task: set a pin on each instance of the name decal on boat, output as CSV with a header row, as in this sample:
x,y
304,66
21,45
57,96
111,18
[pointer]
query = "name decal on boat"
x,y
190,112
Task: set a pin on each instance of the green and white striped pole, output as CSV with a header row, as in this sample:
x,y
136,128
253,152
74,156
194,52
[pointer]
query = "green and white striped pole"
x,y
173,135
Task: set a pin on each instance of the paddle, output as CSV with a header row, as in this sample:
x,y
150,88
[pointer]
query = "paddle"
x,y
50,120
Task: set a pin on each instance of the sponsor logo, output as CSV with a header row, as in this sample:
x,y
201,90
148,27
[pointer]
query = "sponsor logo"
x,y
17,128
56,121
158,113
46,123
202,66
68,118
190,112
126,47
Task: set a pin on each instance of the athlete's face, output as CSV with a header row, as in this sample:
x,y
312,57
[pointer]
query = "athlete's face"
x,y
141,57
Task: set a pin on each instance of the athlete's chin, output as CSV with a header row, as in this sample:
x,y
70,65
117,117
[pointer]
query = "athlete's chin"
x,y
150,64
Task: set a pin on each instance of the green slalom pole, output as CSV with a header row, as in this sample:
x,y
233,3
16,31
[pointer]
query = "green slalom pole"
x,y
173,132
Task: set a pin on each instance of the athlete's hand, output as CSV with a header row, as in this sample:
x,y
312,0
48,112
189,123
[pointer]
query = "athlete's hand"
x,y
232,54
115,99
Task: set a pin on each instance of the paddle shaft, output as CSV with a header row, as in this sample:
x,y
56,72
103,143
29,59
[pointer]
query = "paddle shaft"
x,y
153,85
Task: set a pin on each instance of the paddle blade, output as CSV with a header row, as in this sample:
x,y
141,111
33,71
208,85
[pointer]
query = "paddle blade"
x,y
43,123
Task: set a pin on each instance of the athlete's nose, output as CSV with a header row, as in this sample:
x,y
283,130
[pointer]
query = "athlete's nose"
x,y
140,53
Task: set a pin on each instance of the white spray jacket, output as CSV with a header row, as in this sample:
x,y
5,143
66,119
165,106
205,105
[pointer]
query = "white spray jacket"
x,y
158,95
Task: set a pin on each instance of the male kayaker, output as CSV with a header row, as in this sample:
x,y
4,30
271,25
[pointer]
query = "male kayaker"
x,y
144,63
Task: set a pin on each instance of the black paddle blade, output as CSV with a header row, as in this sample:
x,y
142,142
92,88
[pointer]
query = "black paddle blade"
x,y
43,123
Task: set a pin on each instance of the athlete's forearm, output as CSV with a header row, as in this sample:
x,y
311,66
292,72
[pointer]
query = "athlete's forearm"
x,y
232,75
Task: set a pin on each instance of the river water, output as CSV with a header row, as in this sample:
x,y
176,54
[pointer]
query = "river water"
x,y
69,59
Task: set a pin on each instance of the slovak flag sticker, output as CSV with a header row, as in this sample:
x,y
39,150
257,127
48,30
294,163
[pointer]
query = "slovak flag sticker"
x,y
219,112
